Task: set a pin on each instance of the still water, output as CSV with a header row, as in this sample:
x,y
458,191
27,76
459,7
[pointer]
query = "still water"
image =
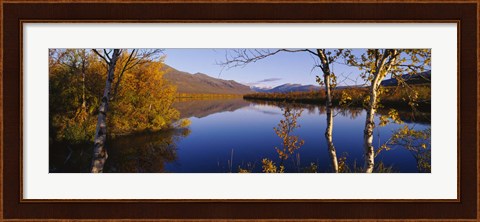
x,y
226,134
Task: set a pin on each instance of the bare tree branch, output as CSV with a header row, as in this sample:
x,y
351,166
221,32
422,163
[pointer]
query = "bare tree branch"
x,y
242,57
106,54
96,52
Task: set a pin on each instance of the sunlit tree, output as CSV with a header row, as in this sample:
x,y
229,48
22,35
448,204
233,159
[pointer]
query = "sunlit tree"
x,y
112,59
374,66
284,130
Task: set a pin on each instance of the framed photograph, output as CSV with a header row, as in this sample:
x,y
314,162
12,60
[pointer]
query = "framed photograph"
x,y
239,110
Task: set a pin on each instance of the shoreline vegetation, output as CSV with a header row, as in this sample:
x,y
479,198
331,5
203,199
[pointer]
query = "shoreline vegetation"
x,y
393,97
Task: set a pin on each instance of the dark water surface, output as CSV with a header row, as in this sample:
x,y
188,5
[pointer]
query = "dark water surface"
x,y
226,134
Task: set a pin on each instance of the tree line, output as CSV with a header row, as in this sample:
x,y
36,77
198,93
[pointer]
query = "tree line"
x,y
394,97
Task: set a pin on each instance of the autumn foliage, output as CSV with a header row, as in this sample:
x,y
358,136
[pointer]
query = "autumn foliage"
x,y
284,130
142,101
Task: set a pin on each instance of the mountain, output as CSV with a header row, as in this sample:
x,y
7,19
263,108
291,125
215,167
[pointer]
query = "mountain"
x,y
202,83
260,89
287,88
420,78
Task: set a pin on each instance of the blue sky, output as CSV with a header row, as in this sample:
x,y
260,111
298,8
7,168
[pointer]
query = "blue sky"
x,y
284,67
275,70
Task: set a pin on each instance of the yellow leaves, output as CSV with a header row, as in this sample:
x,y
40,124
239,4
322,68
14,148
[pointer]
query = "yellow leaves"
x,y
284,129
342,164
382,148
319,80
240,170
345,98
144,100
183,123
417,142
392,115
366,101
281,153
269,166
333,81
383,121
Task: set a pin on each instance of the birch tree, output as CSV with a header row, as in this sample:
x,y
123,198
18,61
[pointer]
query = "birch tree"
x,y
112,58
375,65
99,151
330,82
242,57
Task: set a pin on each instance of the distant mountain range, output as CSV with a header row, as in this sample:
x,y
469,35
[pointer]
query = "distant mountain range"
x,y
420,78
202,83
287,88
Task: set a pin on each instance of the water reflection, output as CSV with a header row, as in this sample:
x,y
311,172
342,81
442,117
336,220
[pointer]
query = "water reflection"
x,y
204,107
69,158
406,115
228,134
144,153
140,153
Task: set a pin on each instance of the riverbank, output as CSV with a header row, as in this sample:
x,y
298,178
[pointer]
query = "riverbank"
x,y
393,97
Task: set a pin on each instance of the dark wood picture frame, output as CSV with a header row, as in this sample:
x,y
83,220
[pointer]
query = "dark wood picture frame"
x,y
14,13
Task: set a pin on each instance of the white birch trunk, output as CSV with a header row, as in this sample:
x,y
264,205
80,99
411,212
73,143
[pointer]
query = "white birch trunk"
x,y
368,131
328,131
99,150
381,70
329,108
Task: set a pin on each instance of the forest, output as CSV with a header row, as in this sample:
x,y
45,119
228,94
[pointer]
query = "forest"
x,y
99,98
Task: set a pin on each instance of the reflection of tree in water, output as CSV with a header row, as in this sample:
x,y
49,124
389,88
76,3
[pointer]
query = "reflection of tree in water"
x,y
310,109
322,110
144,153
350,112
409,116
292,105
